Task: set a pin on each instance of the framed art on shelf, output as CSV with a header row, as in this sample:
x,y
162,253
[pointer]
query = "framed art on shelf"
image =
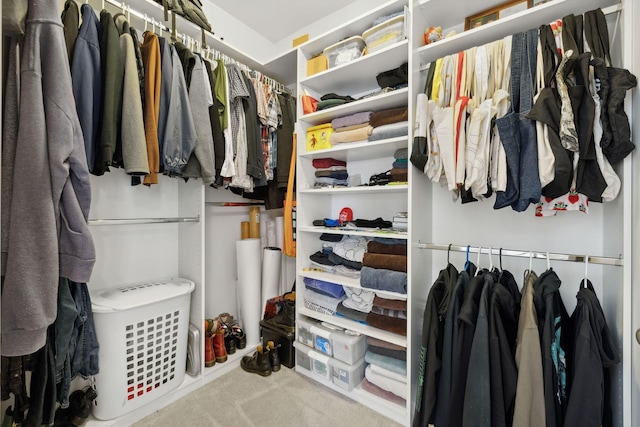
x,y
500,11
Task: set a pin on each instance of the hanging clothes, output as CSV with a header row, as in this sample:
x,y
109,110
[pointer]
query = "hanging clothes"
x,y
70,21
595,351
431,347
152,77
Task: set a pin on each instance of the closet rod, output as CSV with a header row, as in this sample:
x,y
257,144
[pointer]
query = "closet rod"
x,y
234,204
161,26
127,221
525,254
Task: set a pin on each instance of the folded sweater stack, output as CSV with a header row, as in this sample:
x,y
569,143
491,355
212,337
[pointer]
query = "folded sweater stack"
x,y
389,123
354,127
330,173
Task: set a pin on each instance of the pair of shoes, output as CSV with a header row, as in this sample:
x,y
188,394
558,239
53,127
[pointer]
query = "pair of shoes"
x,y
76,414
274,356
286,317
258,362
238,334
214,348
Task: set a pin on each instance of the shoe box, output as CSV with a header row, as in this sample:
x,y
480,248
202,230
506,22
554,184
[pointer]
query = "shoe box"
x,y
344,345
344,375
283,341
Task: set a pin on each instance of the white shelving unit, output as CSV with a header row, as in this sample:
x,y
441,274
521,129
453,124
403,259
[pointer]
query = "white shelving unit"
x,y
357,79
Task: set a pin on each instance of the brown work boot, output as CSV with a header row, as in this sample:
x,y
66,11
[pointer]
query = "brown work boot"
x,y
209,355
218,346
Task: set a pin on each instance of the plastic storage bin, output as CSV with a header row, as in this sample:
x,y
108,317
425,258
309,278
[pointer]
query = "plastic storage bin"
x,y
344,51
302,355
318,137
303,327
320,364
347,375
142,330
385,34
348,346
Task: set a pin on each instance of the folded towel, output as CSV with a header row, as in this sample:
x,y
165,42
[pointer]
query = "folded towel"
x,y
401,153
330,289
361,134
394,365
332,169
391,295
358,299
327,163
352,127
392,385
390,304
375,247
392,130
387,373
353,119
392,115
351,314
386,261
329,304
400,314
332,174
399,175
377,391
383,280
391,324
396,354
390,241
376,342
399,164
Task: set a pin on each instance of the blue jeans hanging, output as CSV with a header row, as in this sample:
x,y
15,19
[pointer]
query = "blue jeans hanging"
x,y
518,133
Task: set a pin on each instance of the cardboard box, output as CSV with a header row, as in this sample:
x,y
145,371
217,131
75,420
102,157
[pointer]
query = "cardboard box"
x,y
316,64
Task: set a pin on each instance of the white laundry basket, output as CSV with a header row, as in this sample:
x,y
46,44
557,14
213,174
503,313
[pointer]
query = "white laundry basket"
x,y
142,330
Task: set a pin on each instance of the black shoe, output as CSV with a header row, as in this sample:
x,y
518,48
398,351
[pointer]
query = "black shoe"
x,y
240,337
274,356
230,343
286,317
258,363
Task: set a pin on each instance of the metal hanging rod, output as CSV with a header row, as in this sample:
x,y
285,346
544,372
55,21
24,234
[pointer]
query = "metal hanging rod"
x,y
525,254
127,221
234,204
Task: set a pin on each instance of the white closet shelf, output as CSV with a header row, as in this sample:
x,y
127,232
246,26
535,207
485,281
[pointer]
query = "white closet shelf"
x,y
345,323
518,22
394,99
358,76
400,188
383,406
346,281
366,232
365,150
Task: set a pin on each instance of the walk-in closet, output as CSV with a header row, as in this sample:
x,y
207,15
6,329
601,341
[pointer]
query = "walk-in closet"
x,y
364,212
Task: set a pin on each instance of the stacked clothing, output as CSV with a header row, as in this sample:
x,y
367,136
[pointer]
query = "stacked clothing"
x,y
323,297
386,371
389,123
357,304
354,127
399,168
343,256
330,173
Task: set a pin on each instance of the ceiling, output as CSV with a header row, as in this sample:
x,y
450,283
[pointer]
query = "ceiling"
x,y
277,19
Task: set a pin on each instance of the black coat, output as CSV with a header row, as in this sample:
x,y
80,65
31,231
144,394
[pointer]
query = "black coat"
x,y
595,352
431,347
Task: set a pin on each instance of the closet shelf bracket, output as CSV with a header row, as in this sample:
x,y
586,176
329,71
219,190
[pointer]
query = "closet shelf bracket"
x,y
618,262
127,221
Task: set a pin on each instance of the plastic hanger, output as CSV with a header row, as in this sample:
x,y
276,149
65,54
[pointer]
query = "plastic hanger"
x,y
490,258
530,261
586,270
146,22
448,253
478,261
466,262
548,262
500,260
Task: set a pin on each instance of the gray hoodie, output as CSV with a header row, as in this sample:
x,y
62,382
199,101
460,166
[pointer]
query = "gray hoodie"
x,y
48,199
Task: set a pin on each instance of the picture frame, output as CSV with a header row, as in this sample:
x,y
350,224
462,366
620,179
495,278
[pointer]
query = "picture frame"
x,y
500,11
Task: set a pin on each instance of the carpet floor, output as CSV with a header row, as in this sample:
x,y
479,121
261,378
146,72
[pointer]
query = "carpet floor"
x,y
282,399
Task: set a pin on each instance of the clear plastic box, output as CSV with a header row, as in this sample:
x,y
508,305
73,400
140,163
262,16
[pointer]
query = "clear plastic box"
x,y
344,51
320,364
348,346
347,375
303,329
385,34
302,356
